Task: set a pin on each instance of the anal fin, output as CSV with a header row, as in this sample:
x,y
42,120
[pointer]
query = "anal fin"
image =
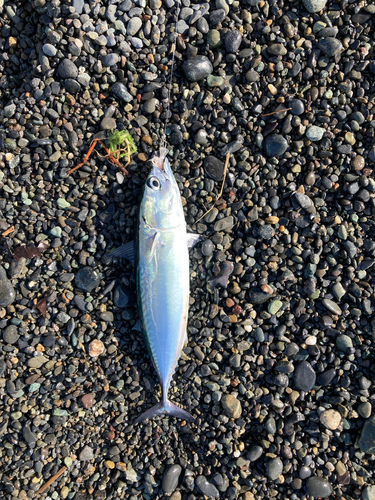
x,y
126,251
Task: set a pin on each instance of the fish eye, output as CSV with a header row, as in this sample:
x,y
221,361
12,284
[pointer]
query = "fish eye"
x,y
153,183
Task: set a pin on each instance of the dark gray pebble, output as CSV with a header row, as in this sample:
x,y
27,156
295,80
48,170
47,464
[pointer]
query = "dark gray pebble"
x,y
206,488
304,376
275,145
207,248
10,335
233,41
87,279
67,69
318,487
214,168
170,479
7,293
197,68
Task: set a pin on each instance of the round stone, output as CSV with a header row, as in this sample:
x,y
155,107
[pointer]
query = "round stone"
x,y
315,133
206,488
344,343
298,108
314,5
252,75
274,468
87,279
364,409
358,162
197,68
318,487
214,168
49,50
232,406
119,90
330,419
10,334
366,441
67,69
213,39
110,60
275,145
170,479
7,293
72,86
330,46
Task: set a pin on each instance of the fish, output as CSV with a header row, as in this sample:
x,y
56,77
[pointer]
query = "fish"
x,y
161,255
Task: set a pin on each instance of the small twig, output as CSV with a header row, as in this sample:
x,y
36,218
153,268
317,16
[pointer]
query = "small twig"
x,y
221,190
277,111
8,231
52,480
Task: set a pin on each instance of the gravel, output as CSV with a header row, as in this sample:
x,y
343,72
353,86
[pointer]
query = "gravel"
x,y
278,368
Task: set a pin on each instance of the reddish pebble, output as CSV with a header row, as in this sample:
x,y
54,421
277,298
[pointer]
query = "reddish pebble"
x,y
229,303
111,434
87,400
267,289
237,310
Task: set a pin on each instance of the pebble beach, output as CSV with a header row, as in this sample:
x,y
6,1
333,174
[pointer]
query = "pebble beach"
x,y
279,367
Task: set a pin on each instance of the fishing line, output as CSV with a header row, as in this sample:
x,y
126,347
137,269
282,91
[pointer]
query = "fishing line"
x,y
170,83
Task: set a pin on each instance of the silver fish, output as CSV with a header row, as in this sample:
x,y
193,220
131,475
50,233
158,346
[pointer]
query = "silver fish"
x,y
162,266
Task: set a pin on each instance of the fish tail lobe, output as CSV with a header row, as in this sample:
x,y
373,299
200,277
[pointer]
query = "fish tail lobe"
x,y
165,408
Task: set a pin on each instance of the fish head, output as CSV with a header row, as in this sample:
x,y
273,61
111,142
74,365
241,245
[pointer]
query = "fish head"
x,y
161,206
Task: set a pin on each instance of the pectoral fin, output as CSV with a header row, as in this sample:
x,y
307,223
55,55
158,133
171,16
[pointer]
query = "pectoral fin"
x,y
192,239
126,251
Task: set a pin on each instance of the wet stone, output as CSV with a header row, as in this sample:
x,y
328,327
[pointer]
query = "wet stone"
x,y
197,68
231,405
344,343
171,478
297,106
274,468
315,133
233,41
206,488
366,441
29,436
331,419
67,69
72,86
326,377
255,453
318,487
7,293
330,46
275,145
122,296
87,279
214,168
10,334
119,90
314,5
213,39
224,224
207,248
364,409
266,232
304,376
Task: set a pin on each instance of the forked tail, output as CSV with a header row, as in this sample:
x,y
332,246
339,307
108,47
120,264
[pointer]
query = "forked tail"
x,y
165,408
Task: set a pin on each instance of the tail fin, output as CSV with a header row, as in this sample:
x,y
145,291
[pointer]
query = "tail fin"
x,y
165,408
